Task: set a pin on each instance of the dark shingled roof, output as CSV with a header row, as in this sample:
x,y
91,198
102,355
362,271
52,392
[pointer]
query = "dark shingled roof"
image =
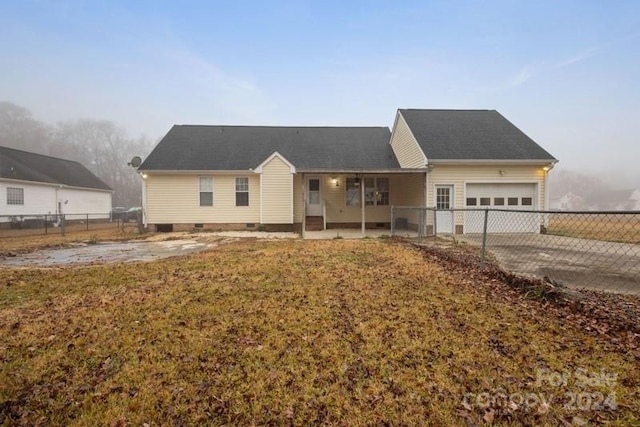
x,y
471,135
25,166
192,147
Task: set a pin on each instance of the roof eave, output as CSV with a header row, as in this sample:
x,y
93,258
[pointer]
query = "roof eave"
x,y
362,170
492,161
55,184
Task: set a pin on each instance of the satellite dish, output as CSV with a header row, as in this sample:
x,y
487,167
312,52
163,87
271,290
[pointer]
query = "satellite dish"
x,y
135,162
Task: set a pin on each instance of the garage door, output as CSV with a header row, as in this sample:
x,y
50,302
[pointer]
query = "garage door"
x,y
502,196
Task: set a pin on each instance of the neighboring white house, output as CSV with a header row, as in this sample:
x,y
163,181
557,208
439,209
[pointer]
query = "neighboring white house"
x,y
34,184
568,202
301,178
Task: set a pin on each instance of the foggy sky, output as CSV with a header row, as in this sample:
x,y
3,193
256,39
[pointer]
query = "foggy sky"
x,y
565,73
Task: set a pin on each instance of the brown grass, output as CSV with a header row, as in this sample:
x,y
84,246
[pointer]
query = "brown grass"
x,y
20,241
607,227
288,333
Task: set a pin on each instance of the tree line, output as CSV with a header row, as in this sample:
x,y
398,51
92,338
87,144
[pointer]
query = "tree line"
x,y
101,146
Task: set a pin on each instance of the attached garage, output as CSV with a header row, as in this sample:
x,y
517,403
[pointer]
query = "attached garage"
x,y
507,197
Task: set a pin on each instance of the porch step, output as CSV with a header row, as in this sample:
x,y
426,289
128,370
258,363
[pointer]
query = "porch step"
x,y
314,223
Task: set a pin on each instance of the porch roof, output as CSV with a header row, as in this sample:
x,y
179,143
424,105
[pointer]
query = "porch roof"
x,y
361,171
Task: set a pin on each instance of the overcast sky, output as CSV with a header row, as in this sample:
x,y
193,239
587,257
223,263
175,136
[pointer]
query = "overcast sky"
x,y
565,72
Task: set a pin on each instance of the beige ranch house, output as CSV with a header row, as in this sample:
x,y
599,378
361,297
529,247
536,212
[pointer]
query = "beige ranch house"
x,y
314,178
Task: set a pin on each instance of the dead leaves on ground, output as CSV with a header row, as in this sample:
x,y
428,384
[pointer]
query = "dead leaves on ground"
x,y
295,332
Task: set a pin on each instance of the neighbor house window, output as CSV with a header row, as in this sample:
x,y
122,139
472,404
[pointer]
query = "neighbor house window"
x,y
206,191
353,192
527,201
15,196
513,201
485,201
242,191
498,201
472,201
376,191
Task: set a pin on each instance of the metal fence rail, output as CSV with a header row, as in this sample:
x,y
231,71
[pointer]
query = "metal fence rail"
x,y
597,250
36,224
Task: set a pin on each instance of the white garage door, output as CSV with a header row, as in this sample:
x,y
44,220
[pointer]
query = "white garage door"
x,y
502,196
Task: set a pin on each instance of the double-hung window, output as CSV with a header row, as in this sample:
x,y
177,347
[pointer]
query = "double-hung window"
x,y
206,191
15,196
353,191
376,191
242,191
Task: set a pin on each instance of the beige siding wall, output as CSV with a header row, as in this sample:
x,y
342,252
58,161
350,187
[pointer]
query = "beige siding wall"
x,y
404,189
405,146
175,199
277,206
459,175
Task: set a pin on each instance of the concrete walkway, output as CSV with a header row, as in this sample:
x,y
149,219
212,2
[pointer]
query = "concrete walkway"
x,y
578,263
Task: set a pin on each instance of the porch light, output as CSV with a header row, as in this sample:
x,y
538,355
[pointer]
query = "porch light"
x,y
144,176
335,182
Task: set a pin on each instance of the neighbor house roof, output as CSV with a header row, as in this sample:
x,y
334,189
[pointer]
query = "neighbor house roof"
x,y
471,135
26,166
195,148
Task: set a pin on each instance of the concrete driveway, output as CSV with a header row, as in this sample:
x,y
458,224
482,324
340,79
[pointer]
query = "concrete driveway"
x,y
577,263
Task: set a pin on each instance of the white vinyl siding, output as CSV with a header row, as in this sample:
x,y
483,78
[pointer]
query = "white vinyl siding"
x,y
405,146
277,196
175,199
42,199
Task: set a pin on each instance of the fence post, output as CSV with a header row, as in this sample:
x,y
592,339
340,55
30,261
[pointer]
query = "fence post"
x,y
393,220
87,222
435,222
45,224
62,224
484,238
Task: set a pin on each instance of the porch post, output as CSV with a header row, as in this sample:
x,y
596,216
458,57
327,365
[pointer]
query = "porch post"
x,y
362,205
304,206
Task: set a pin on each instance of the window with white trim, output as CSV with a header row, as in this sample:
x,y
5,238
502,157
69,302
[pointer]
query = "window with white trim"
x,y
242,191
206,191
353,191
376,191
15,196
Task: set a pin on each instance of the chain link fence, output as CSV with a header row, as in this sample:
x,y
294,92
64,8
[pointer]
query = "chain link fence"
x,y
31,225
596,250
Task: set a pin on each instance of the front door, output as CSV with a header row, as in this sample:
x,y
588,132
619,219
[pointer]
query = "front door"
x,y
444,202
314,197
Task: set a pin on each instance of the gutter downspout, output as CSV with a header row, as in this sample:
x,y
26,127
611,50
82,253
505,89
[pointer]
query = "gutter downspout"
x,y
546,170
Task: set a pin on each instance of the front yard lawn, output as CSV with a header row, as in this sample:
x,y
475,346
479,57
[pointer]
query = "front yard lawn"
x,y
296,333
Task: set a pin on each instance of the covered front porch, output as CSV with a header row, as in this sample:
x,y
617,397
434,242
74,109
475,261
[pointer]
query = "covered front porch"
x,y
345,204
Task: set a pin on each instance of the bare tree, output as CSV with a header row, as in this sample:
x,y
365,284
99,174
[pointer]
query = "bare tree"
x,y
18,129
100,145
105,149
